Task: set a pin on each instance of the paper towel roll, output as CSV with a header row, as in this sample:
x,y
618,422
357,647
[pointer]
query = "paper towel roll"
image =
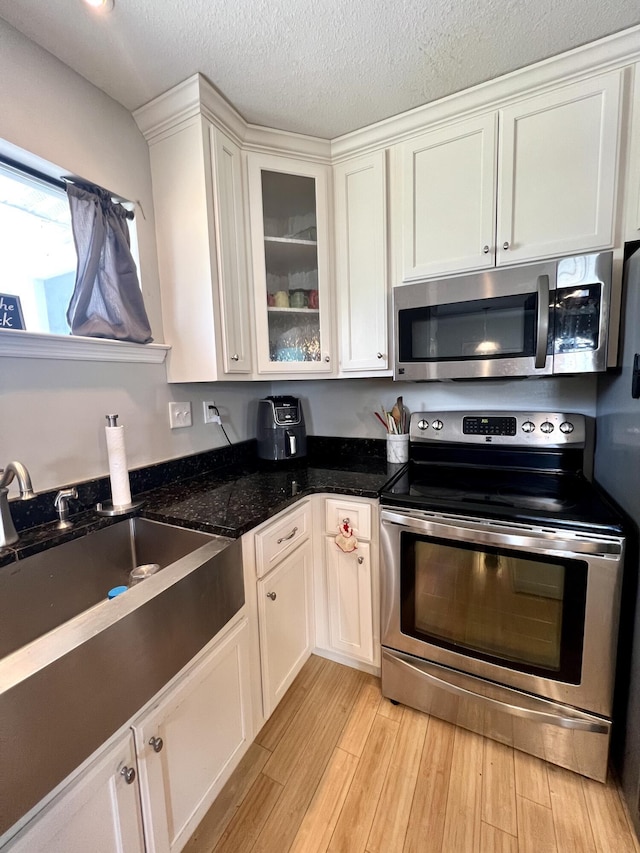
x,y
118,471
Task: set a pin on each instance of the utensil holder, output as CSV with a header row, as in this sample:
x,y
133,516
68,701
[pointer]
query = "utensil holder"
x,y
397,448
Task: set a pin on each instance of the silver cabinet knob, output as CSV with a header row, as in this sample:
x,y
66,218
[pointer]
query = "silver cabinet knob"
x,y
485,249
129,775
156,744
272,596
505,245
327,358
379,355
361,560
235,357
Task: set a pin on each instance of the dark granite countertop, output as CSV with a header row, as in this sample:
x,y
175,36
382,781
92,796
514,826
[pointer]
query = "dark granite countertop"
x,y
239,500
227,499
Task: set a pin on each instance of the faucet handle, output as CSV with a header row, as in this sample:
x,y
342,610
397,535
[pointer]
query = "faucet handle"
x,y
61,503
65,495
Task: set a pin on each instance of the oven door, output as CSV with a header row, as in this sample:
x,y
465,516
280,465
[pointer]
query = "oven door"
x,y
485,324
534,609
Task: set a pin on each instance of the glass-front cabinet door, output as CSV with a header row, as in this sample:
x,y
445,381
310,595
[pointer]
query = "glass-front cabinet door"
x,y
289,236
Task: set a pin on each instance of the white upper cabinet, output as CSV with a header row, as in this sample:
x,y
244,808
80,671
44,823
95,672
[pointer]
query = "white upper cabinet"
x,y
288,207
448,199
632,176
360,220
197,189
557,171
232,253
535,179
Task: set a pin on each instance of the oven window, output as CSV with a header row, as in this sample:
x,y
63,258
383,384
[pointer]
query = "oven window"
x,y
468,331
502,606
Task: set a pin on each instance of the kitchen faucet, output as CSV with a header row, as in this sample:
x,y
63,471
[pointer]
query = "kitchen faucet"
x,y
8,534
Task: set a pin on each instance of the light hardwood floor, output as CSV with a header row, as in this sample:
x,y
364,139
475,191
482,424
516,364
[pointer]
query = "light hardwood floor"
x,y
338,768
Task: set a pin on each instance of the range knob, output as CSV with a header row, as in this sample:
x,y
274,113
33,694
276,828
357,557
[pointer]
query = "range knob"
x,y
528,426
422,424
566,427
437,425
547,427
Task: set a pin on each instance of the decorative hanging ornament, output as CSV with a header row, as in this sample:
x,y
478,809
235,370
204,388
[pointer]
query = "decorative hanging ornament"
x,y
345,540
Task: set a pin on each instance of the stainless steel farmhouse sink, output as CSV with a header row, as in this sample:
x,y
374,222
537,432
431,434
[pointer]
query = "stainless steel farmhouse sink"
x,y
41,592
75,666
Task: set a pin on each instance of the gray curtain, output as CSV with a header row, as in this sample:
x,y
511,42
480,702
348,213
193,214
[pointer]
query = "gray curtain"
x,y
107,300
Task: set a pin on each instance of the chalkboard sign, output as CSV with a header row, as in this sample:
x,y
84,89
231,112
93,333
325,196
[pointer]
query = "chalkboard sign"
x,y
10,312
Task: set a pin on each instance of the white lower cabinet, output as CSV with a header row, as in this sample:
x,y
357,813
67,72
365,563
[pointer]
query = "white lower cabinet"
x,y
349,593
164,772
191,740
347,586
98,812
285,619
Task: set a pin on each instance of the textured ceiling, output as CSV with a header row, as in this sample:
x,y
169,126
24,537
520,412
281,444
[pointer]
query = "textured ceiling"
x,y
322,67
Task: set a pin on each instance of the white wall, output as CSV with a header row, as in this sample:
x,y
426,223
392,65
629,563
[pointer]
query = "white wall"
x,y
52,412
52,416
345,407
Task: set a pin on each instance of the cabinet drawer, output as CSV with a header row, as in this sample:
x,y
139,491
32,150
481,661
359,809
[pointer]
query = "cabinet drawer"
x,y
359,515
281,537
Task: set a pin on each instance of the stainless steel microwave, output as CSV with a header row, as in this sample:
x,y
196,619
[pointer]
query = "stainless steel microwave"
x,y
535,320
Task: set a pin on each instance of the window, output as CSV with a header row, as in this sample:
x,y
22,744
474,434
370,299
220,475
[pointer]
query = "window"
x,y
37,253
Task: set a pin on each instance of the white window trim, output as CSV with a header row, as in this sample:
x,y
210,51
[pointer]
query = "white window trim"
x,y
24,344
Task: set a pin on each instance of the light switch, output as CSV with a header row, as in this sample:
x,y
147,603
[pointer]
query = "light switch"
x,y
179,415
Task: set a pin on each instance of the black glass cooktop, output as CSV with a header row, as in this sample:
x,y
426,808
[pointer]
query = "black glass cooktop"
x,y
565,499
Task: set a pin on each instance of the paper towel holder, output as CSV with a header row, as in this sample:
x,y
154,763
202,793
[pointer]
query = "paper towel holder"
x,y
108,508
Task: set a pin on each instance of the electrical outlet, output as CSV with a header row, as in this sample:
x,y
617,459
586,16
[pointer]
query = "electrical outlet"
x,y
211,415
179,415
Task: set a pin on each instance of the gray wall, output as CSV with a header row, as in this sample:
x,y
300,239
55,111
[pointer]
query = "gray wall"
x,y
344,407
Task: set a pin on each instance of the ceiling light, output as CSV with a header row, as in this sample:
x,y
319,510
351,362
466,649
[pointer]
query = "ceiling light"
x,y
100,5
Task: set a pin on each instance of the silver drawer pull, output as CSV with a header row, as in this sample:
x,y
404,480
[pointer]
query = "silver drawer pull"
x,y
272,596
290,536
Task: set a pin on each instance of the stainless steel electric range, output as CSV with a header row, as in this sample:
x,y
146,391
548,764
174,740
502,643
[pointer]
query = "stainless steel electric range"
x,y
501,580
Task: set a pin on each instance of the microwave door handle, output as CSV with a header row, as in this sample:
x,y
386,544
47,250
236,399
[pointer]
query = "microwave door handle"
x,y
543,321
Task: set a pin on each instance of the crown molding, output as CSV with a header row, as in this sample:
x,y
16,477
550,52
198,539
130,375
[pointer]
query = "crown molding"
x,y
600,56
196,96
296,145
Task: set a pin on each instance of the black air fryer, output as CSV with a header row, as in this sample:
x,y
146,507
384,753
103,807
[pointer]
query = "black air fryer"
x,y
281,431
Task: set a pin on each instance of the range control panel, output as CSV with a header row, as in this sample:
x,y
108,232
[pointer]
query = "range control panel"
x,y
515,429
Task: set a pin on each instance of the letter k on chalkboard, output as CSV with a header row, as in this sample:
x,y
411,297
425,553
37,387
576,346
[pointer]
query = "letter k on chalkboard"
x,y
10,312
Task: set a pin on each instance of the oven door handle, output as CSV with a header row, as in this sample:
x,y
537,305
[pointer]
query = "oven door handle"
x,y
543,321
458,529
581,722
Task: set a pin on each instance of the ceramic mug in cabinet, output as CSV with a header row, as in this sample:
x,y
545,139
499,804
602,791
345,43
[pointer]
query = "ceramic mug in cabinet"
x,y
298,299
282,299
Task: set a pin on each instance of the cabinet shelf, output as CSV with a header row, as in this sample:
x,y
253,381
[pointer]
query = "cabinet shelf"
x,y
274,310
296,241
